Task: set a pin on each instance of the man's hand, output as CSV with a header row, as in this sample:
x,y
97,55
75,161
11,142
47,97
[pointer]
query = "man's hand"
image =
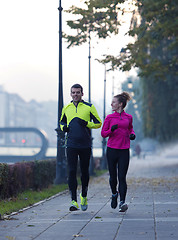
x,y
57,130
65,129
132,136
82,122
114,127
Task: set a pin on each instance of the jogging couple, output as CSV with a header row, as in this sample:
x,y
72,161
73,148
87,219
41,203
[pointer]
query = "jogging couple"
x,y
77,118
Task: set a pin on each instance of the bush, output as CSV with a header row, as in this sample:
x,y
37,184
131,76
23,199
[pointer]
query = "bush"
x,y
18,177
4,186
44,174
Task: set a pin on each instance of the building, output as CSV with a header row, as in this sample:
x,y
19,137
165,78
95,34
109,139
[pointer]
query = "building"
x,y
16,112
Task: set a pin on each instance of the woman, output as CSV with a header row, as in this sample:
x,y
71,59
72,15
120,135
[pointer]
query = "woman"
x,y
118,127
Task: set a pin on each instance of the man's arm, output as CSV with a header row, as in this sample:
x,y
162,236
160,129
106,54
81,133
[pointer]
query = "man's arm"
x,y
63,121
96,123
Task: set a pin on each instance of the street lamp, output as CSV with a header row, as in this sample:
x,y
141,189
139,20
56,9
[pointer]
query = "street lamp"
x,y
113,87
130,85
104,165
91,169
61,159
89,68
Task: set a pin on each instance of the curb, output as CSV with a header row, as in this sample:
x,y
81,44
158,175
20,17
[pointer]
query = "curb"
x,y
7,217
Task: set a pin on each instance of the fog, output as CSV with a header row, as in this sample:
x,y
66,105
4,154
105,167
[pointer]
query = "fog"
x,y
163,161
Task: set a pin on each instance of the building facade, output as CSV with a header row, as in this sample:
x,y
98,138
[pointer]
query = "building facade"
x,y
16,112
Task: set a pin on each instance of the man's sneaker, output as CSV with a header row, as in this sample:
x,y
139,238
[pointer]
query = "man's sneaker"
x,y
123,207
74,206
114,200
83,204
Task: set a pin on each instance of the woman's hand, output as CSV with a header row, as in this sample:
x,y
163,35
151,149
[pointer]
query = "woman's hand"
x,y
132,136
114,127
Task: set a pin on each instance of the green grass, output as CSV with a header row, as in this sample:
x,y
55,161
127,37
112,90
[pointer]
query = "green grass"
x,y
30,197
99,172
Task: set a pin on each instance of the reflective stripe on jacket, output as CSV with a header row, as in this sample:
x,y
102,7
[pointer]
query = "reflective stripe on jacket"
x,y
79,136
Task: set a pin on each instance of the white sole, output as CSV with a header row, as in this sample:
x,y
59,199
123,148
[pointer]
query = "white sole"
x,y
123,208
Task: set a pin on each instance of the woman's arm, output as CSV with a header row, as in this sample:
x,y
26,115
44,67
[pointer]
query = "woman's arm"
x,y
131,131
106,130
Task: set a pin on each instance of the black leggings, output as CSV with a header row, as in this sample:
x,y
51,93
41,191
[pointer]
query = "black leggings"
x,y
118,163
72,156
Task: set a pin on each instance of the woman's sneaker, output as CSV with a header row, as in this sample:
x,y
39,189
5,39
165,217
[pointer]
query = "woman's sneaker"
x,y
114,200
123,206
74,206
83,204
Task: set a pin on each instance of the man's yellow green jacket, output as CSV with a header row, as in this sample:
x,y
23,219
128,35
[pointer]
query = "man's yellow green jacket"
x,y
79,119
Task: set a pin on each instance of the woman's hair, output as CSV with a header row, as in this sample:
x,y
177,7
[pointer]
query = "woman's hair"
x,y
123,98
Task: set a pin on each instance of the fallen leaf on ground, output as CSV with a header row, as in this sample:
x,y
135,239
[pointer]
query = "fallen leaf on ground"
x,y
10,238
78,235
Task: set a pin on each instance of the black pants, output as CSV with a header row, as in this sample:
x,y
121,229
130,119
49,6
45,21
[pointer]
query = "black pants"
x,y
73,154
118,163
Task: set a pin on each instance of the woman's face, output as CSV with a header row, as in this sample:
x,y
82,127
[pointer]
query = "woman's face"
x,y
115,104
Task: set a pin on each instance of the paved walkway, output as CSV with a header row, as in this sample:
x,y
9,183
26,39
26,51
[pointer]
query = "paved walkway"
x,y
152,215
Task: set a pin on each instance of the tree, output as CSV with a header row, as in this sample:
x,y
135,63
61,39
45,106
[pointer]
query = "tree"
x,y
134,107
154,26
158,27
154,52
99,17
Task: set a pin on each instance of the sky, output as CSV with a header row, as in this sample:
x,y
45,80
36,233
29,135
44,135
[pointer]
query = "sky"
x,y
29,53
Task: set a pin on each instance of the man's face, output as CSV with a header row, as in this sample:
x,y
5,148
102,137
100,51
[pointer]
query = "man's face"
x,y
76,94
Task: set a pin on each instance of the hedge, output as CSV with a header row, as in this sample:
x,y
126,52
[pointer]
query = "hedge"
x,y
35,175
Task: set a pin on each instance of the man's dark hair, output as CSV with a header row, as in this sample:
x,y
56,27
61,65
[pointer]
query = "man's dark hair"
x,y
77,86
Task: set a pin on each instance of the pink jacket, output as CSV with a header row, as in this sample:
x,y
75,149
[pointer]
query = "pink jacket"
x,y
119,139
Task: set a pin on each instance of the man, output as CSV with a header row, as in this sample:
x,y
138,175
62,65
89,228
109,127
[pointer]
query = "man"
x,y
77,118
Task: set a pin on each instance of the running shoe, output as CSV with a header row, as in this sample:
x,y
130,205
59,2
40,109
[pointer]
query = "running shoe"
x,y
83,204
114,200
74,206
123,206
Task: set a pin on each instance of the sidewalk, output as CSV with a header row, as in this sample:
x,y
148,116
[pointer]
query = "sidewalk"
x,y
152,213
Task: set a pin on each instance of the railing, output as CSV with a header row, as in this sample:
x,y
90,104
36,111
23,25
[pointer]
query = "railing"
x,y
37,156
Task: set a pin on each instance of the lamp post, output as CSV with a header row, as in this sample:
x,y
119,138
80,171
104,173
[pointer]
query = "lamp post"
x,y
112,86
91,168
60,162
104,165
89,68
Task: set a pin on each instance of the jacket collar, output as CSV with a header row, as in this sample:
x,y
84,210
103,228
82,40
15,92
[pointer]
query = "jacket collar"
x,y
72,102
122,113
